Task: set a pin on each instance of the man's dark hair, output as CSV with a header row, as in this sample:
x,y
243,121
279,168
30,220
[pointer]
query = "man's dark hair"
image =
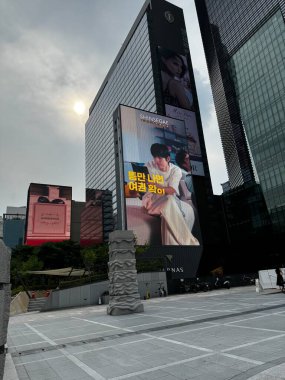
x,y
159,150
180,157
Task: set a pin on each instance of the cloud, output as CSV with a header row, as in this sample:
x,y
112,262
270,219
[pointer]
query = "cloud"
x,y
42,139
52,53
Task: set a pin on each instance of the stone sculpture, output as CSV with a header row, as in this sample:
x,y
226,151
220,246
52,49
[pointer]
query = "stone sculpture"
x,y
123,289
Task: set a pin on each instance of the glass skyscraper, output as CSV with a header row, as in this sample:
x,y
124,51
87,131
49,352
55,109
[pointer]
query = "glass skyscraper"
x,y
135,80
244,43
129,81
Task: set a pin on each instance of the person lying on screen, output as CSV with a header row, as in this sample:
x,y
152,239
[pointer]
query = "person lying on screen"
x,y
173,70
177,217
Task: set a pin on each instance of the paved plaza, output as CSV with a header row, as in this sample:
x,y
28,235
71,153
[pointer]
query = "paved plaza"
x,y
223,334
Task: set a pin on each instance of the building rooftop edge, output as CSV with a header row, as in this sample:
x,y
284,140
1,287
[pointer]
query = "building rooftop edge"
x,y
121,51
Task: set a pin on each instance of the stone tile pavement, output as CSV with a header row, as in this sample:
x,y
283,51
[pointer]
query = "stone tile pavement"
x,y
232,334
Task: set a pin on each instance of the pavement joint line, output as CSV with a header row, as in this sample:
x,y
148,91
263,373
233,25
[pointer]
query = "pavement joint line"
x,y
194,315
91,372
242,358
62,328
114,345
103,324
39,360
151,323
252,328
150,337
247,375
170,307
130,332
274,303
86,351
200,315
161,316
144,324
44,337
253,343
27,344
127,318
24,334
76,336
159,367
248,319
179,343
191,330
215,311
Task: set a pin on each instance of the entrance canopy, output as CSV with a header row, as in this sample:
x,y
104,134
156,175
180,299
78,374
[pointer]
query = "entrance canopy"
x,y
62,272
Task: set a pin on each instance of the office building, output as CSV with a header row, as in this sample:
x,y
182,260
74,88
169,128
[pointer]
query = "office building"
x,y
136,79
244,44
14,226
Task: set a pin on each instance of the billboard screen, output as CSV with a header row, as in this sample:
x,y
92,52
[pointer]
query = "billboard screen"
x,y
49,213
91,227
178,101
158,190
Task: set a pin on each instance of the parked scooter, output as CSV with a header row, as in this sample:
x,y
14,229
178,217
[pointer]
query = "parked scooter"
x,y
197,286
222,283
248,280
202,285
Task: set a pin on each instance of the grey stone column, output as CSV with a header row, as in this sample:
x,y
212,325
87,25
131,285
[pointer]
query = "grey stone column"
x,y
123,289
5,298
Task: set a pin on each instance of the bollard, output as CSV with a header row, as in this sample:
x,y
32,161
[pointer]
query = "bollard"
x,y
257,287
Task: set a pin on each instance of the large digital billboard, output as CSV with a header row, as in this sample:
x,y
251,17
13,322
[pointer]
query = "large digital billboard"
x,y
178,101
158,190
49,213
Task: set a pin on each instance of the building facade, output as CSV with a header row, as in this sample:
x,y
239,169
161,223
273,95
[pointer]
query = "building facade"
x,y
14,226
244,44
136,79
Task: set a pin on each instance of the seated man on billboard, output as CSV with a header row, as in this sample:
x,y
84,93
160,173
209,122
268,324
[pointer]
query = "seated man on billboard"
x,y
177,217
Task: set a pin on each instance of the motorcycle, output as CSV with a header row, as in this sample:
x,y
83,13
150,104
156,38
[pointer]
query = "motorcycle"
x,y
222,283
197,286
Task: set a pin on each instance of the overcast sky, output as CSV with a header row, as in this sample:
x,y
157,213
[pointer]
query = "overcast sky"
x,y
53,53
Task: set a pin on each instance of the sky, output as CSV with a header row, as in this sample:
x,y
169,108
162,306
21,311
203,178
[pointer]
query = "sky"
x,y
54,53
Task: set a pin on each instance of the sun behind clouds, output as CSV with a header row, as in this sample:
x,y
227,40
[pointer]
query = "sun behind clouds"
x,y
79,108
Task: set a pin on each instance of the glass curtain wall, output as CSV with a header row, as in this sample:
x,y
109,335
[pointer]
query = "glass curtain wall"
x,y
130,83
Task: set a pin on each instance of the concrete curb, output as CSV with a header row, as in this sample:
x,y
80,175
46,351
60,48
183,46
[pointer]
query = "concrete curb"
x,y
10,372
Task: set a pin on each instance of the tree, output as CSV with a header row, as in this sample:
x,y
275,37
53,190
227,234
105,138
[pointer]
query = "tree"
x,y
96,258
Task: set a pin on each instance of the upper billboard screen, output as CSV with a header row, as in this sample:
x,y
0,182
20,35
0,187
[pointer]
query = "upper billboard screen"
x,y
158,187
49,211
178,101
175,79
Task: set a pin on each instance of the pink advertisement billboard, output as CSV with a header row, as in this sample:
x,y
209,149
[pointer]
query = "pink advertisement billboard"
x,y
49,214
